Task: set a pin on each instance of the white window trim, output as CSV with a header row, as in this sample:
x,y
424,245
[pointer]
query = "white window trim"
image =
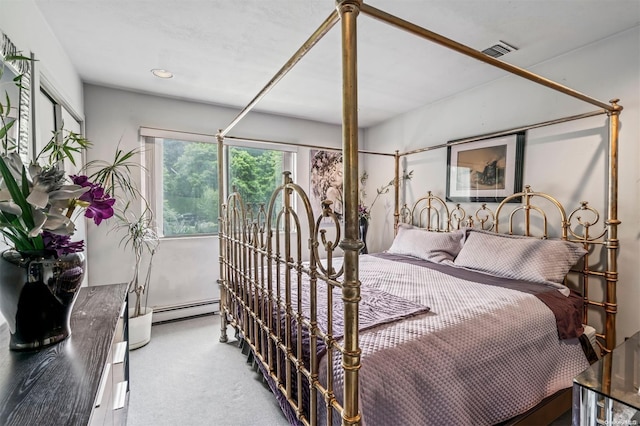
x,y
179,135
152,156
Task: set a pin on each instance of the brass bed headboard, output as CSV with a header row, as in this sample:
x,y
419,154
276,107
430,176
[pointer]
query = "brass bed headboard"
x,y
532,217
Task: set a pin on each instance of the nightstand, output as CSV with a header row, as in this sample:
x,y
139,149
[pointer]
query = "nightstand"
x,y
607,392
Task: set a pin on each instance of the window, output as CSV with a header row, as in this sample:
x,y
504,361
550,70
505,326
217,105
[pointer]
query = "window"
x,y
184,178
189,188
54,117
255,173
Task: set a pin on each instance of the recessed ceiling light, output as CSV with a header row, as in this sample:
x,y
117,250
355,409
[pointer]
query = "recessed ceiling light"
x,y
162,73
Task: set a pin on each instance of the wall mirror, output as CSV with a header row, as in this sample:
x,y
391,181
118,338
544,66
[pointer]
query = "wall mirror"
x,y
15,99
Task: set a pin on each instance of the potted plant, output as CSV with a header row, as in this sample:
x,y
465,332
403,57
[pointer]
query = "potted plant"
x,y
42,271
141,236
138,234
36,208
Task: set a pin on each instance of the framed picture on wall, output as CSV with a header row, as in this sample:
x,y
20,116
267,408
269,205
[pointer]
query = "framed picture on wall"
x,y
325,175
486,170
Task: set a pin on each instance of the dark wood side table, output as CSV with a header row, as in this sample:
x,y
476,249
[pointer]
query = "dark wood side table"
x,y
80,381
607,392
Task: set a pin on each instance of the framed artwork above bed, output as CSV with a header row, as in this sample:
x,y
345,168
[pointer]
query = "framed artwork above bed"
x,y
485,170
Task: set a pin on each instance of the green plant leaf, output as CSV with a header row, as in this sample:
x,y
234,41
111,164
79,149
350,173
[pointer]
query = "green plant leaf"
x,y
16,192
8,104
19,226
16,58
115,176
4,129
58,151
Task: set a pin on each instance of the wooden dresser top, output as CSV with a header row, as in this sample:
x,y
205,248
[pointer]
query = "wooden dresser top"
x,y
58,384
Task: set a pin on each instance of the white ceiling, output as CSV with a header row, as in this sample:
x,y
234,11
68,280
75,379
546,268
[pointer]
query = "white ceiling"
x,y
225,51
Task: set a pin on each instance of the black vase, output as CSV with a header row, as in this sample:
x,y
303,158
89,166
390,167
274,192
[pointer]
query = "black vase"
x,y
364,226
37,293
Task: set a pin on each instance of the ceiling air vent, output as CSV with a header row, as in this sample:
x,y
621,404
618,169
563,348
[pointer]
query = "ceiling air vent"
x,y
499,49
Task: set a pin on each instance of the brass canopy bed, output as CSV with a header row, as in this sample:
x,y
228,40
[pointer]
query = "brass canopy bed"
x,y
482,317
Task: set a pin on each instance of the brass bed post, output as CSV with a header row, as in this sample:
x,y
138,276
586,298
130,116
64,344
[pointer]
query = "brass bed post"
x,y
611,306
396,187
288,339
223,315
351,244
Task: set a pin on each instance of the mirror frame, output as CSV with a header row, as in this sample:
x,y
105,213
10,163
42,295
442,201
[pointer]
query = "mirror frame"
x,y
25,95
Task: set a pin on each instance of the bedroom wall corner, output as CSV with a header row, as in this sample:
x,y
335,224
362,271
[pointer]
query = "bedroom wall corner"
x,y
567,160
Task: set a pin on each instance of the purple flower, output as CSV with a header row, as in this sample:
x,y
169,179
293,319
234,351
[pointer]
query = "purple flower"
x,y
363,211
61,243
81,180
100,203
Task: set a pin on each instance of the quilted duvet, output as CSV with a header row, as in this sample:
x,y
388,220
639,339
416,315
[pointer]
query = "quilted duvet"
x,y
482,354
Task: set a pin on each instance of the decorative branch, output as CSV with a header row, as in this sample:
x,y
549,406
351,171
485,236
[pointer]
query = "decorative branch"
x,y
364,211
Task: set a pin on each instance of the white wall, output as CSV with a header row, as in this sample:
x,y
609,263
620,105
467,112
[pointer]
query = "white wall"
x,y
566,160
185,269
22,21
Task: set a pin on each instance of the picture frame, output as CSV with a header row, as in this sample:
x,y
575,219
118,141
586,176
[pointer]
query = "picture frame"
x,y
20,94
326,181
485,170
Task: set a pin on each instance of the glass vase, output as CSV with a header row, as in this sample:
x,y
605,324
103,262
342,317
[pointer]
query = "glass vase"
x,y
364,227
37,293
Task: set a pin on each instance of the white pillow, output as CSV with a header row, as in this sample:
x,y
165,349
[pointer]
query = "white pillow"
x,y
437,247
522,258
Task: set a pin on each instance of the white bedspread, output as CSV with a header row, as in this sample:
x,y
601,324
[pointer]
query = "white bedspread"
x,y
482,355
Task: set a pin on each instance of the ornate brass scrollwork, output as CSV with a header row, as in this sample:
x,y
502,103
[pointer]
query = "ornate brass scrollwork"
x,y
584,223
320,235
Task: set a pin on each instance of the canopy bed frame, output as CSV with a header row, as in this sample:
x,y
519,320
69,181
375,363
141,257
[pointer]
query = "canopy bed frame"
x,y
257,299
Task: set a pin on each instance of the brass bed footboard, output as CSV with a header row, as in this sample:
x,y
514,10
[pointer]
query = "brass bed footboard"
x,y
264,265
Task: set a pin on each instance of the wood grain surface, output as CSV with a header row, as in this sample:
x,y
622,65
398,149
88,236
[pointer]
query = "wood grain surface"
x,y
58,384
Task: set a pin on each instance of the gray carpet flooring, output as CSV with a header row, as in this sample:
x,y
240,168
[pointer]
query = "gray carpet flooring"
x,y
185,376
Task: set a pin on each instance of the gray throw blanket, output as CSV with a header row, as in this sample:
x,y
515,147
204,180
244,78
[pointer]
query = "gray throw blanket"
x,y
376,307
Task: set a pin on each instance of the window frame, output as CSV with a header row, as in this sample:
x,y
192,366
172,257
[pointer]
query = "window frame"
x,y
153,182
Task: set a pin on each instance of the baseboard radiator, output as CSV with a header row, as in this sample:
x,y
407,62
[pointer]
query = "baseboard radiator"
x,y
185,310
